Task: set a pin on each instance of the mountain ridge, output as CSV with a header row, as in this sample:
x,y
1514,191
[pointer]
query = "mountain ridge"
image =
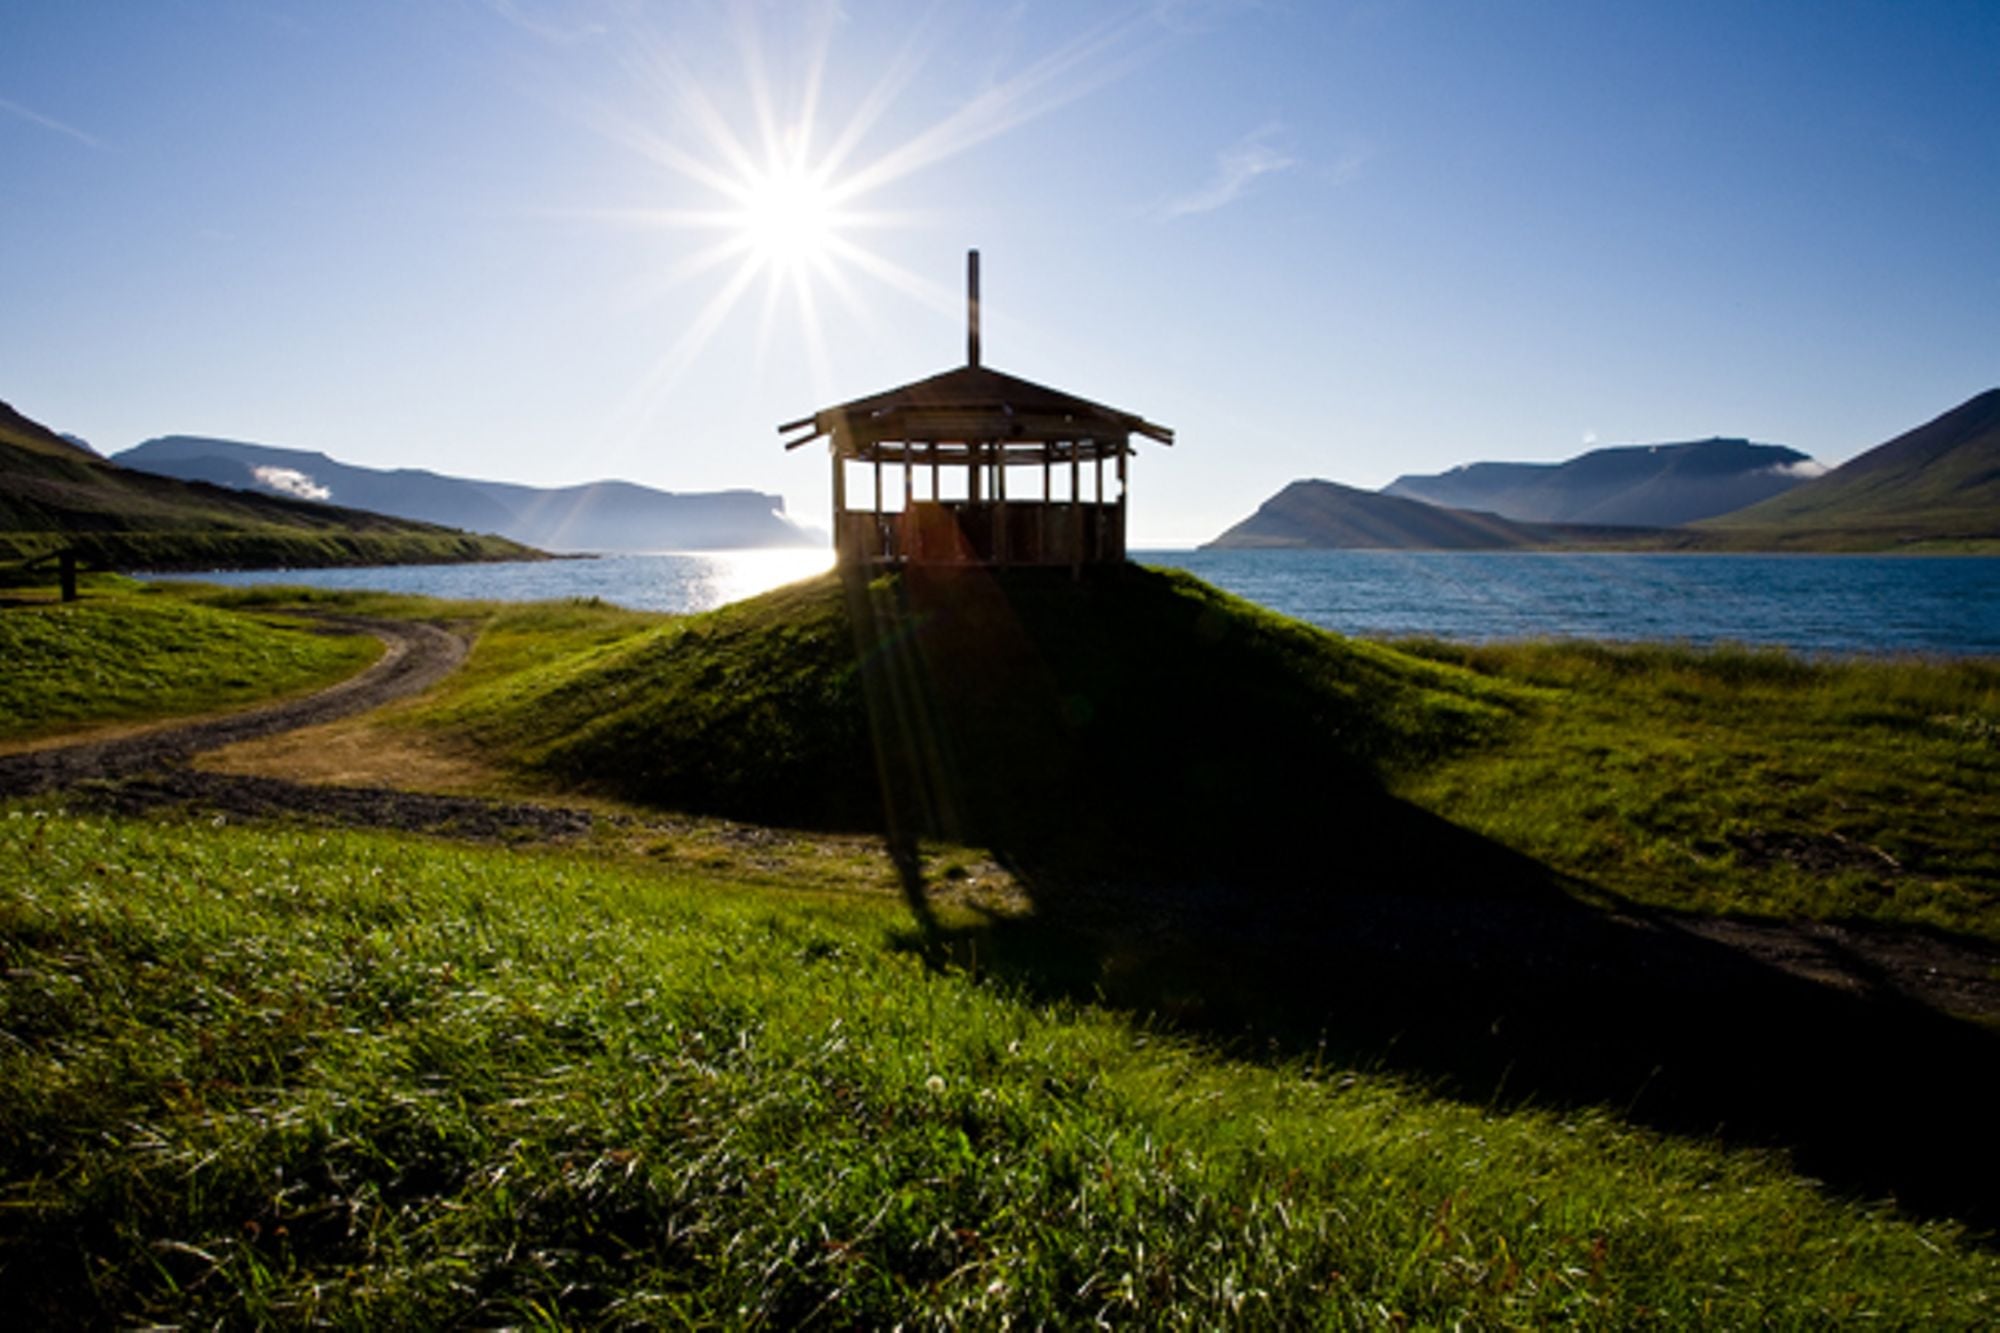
x,y
1934,488
1635,485
605,515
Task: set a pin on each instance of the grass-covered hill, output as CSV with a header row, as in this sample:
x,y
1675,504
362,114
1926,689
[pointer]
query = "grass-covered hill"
x,y
1132,709
36,438
1935,486
55,495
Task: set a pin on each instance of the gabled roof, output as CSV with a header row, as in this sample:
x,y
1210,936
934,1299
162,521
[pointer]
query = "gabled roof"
x,y
972,402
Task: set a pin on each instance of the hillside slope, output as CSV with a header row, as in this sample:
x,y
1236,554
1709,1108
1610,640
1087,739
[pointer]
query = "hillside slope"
x,y
599,516
1327,515
35,438
1937,484
1134,709
1652,485
55,495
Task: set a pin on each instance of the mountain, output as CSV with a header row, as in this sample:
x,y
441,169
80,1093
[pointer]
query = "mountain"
x,y
1644,485
1326,514
54,494
599,516
1936,485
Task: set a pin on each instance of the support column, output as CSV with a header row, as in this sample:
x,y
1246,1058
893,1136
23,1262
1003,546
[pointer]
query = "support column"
x,y
1123,495
1076,525
1001,546
839,503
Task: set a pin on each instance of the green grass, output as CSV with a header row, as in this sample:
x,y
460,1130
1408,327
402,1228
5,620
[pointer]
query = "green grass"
x,y
121,655
1737,781
259,1077
981,703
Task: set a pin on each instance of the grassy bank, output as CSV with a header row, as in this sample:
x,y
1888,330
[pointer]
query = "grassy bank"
x,y
127,654
1743,782
263,1076
266,547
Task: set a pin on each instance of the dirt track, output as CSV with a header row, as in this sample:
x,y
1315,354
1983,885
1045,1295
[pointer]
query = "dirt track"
x,y
147,769
417,657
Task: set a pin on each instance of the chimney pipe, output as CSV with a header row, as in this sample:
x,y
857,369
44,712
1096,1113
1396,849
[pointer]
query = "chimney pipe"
x,y
972,307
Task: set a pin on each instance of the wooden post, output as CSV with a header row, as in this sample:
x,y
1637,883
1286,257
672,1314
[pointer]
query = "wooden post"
x,y
1001,545
1076,509
66,570
839,501
1122,496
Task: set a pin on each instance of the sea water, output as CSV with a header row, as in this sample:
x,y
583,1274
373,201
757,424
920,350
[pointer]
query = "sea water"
x,y
1807,603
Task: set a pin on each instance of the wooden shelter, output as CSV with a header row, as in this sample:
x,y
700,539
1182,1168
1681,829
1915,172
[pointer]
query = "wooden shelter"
x,y
974,467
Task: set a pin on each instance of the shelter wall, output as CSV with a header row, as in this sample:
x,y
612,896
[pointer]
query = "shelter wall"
x,y
986,532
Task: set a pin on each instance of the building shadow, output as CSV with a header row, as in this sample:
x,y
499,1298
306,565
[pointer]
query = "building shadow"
x,y
1230,873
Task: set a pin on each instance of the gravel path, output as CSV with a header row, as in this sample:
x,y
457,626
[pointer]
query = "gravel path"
x,y
418,656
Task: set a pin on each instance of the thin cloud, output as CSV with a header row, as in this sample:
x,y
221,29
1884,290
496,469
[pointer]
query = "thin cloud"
x,y
1236,168
50,123
550,30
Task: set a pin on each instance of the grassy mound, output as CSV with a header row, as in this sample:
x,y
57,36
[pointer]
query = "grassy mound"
x,y
1014,710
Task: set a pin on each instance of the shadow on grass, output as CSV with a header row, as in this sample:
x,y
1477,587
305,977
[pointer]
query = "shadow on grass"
x,y
1233,875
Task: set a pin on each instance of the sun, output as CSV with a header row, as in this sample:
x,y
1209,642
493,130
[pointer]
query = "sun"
x,y
789,216
793,200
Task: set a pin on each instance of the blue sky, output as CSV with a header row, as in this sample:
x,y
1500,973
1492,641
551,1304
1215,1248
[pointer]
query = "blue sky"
x,y
1334,240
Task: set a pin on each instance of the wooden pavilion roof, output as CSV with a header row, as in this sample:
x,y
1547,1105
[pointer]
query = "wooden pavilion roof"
x,y
971,404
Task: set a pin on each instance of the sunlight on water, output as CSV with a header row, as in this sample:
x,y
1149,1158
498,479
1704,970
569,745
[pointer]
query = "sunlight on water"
x,y
670,581
730,576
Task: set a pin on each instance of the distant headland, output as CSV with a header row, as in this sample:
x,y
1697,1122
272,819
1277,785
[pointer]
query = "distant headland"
x,y
1932,489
